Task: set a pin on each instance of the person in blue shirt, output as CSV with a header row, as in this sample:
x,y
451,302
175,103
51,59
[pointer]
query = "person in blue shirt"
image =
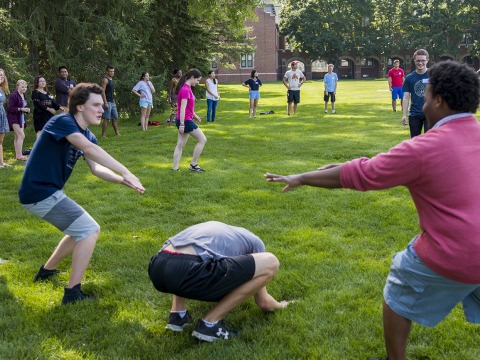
x,y
64,139
330,83
413,92
254,84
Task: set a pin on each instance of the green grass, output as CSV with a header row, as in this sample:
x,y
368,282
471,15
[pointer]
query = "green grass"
x,y
335,246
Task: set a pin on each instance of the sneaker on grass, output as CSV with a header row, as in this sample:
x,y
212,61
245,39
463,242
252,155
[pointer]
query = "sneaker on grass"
x,y
44,274
196,168
177,323
220,330
75,294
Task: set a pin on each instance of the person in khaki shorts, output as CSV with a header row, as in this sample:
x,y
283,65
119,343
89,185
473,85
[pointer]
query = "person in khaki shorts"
x,y
64,139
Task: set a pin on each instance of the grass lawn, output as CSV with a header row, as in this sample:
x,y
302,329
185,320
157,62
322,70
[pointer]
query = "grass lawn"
x,y
335,246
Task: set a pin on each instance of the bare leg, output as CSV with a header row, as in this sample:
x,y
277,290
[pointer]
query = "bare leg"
x,y
81,255
201,141
266,267
250,110
147,116
178,303
289,108
104,128
326,105
2,136
18,140
115,127
177,154
294,108
143,119
395,329
394,105
255,103
333,106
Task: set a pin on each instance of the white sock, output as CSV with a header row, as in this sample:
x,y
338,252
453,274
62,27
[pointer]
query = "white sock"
x,y
209,324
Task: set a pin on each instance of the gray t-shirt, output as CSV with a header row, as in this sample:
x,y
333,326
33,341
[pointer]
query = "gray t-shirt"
x,y
214,239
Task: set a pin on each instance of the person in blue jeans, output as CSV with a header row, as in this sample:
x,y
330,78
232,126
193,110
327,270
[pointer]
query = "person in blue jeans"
x,y
414,91
211,86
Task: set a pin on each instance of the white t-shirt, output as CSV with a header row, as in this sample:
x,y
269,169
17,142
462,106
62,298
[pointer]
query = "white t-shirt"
x,y
293,77
213,88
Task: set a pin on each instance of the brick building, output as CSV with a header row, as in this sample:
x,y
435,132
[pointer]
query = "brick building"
x,y
272,56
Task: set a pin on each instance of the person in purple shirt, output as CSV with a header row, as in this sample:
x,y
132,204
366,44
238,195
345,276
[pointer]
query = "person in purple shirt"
x,y
63,86
440,266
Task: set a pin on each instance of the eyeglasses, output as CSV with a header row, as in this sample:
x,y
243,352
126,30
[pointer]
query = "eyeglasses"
x,y
420,61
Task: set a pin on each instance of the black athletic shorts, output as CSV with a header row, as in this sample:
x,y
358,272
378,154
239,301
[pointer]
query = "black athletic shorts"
x,y
293,96
191,277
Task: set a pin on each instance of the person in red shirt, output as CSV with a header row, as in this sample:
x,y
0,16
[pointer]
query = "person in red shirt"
x,y
396,76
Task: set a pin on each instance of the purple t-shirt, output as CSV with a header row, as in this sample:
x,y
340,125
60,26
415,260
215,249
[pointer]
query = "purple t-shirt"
x,y
186,93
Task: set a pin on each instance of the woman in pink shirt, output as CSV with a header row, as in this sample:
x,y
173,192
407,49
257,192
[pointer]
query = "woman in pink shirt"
x,y
186,118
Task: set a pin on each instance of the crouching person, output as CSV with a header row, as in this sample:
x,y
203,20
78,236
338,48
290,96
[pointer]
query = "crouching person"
x,y
215,262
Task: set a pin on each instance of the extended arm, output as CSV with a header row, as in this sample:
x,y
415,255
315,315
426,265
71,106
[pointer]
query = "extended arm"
x,y
325,177
104,165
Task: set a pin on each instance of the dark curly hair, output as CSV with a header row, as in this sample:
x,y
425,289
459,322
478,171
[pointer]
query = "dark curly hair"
x,y
458,84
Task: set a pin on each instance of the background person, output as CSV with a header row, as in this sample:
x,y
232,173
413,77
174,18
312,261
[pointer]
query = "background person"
x,y
65,139
293,80
440,266
4,127
110,108
216,262
330,81
17,108
396,76
144,90
172,94
414,91
254,84
186,118
44,107
211,87
63,86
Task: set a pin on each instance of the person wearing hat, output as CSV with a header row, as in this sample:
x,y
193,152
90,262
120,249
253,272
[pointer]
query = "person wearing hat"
x,y
293,80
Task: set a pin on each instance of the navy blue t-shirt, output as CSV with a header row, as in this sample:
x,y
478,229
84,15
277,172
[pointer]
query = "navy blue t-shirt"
x,y
52,159
253,83
415,84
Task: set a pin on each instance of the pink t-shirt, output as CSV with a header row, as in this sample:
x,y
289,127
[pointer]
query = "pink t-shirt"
x,y
186,93
441,169
397,76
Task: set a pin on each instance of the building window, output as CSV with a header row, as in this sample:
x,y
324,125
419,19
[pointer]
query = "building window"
x,y
344,63
319,66
246,61
367,63
467,38
214,63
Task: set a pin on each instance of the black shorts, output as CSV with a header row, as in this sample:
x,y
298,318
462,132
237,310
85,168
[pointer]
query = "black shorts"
x,y
331,95
191,277
293,96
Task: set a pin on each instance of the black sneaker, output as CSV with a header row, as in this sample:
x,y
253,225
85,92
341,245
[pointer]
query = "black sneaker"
x,y
177,323
44,274
196,168
221,330
75,294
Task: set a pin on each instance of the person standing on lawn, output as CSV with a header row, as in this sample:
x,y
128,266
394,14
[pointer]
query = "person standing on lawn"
x,y
64,139
440,267
254,84
396,76
293,80
216,262
110,108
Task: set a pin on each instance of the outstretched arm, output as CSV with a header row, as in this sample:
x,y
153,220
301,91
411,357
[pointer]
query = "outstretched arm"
x,y
326,177
103,164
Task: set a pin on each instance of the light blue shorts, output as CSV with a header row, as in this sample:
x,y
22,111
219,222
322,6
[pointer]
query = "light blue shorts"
x,y
421,295
254,94
111,112
65,214
145,103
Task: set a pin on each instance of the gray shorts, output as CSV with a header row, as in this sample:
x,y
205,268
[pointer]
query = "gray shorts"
x,y
65,214
421,295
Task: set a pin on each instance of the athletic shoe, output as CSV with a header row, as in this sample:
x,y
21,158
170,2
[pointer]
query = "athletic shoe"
x,y
326,111
44,274
221,330
177,323
333,111
75,294
196,168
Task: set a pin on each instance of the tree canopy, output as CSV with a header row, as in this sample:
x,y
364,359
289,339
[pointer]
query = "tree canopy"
x,y
132,35
325,29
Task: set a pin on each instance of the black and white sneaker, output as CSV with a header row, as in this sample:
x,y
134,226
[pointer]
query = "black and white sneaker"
x,y
196,168
221,330
177,323
44,274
